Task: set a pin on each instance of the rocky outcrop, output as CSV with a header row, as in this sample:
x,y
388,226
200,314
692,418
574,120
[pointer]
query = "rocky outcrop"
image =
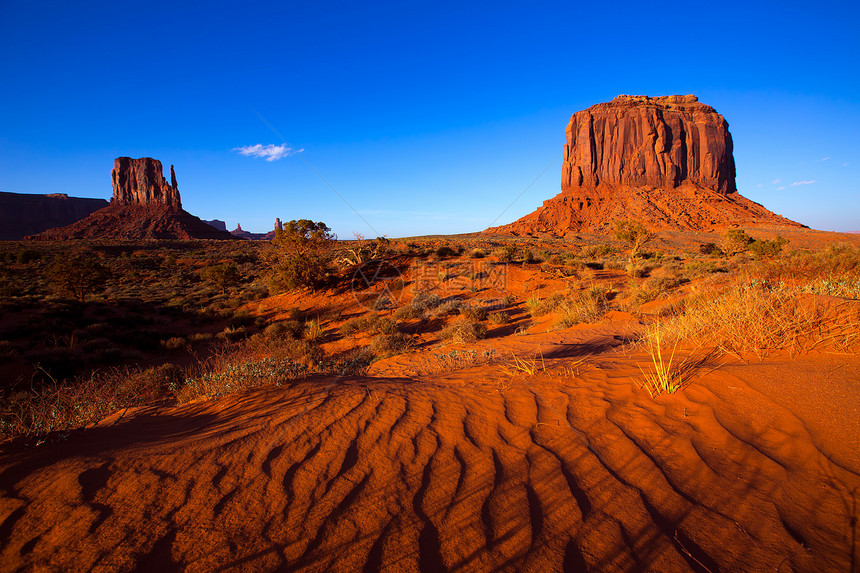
x,y
144,206
141,182
23,214
217,223
664,161
642,141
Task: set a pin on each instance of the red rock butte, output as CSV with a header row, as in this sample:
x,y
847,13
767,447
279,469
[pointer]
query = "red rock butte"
x,y
664,161
143,206
141,181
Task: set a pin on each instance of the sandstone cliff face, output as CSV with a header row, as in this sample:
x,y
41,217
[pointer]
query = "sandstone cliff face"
x,y
664,161
141,182
22,214
644,141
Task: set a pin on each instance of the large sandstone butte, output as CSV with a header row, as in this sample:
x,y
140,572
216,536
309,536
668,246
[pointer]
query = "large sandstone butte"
x,y
664,161
143,206
141,181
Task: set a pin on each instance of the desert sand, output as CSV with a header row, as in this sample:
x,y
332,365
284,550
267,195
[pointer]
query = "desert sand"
x,y
571,468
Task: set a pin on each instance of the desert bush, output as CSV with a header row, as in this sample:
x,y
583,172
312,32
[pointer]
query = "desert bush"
x,y
407,312
284,329
753,317
60,407
224,276
313,331
507,253
501,317
445,251
538,307
477,254
634,235
200,337
596,251
174,343
584,307
448,307
735,241
385,345
475,313
710,249
424,300
651,289
464,331
508,300
766,248
820,271
231,334
368,324
77,275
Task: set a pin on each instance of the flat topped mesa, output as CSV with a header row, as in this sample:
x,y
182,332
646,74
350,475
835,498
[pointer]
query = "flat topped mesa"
x,y
141,182
642,141
664,161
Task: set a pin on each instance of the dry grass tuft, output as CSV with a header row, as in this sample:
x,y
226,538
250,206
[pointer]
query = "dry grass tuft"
x,y
517,366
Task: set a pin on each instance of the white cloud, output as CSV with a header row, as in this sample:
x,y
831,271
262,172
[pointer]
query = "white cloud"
x,y
760,185
796,183
268,152
780,188
825,158
775,181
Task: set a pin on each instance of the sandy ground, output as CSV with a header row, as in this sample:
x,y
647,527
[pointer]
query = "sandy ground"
x,y
574,468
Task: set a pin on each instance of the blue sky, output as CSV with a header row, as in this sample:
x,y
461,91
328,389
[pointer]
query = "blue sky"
x,y
425,117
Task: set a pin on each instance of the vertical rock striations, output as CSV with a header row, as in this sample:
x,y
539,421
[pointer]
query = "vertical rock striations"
x,y
141,182
644,141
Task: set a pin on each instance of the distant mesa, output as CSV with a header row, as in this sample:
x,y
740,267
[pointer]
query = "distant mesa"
x,y
243,234
664,161
217,223
23,214
143,206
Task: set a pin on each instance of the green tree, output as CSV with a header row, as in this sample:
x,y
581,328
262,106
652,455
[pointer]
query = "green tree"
x,y
302,255
635,236
77,275
223,276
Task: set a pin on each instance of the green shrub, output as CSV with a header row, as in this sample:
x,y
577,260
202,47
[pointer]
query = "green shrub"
x,y
765,248
224,276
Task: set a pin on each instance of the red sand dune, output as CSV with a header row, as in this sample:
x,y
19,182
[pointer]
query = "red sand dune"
x,y
751,468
